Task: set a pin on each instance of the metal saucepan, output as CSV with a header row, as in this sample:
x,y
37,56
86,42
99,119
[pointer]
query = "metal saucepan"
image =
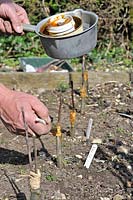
x,y
69,46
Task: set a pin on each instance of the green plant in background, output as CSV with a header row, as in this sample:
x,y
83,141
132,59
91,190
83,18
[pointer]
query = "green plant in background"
x,y
22,170
115,58
54,6
51,177
13,47
62,87
113,51
120,130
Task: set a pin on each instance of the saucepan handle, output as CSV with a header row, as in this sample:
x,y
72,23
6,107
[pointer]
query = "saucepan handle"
x,y
29,27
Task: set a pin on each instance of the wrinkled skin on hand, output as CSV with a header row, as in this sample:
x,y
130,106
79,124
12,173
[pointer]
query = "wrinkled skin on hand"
x,y
11,104
12,16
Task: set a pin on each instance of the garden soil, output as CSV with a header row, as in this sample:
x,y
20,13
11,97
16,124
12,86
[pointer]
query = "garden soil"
x,y
109,177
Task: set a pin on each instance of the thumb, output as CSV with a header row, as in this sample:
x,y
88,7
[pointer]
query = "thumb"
x,y
16,23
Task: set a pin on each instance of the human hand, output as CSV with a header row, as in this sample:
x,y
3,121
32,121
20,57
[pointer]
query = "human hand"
x,y
11,104
11,17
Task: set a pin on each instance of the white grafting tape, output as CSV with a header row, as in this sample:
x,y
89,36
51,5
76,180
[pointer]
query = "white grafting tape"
x,y
41,121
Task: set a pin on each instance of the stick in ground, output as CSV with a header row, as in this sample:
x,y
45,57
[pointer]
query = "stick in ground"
x,y
27,138
58,137
83,91
72,111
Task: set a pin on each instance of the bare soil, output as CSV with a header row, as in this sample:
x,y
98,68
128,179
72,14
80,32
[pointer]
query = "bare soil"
x,y
110,173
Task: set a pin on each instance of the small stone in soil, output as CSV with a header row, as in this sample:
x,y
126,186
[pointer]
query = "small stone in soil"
x,y
118,197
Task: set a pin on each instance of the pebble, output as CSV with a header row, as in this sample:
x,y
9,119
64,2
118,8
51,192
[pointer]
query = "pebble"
x,y
79,137
121,84
71,140
115,89
107,70
104,198
129,167
118,197
41,91
118,96
129,184
78,156
117,100
50,162
122,149
122,103
90,178
96,141
99,161
80,176
59,196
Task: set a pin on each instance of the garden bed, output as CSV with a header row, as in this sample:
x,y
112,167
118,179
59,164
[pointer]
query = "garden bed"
x,y
110,174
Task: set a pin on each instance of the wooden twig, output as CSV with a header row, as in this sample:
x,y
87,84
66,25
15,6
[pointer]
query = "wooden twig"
x,y
72,94
83,96
83,91
58,137
59,151
83,68
72,111
27,138
72,121
35,153
87,83
85,75
59,111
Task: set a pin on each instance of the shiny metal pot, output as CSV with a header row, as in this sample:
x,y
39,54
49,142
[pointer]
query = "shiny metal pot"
x,y
69,46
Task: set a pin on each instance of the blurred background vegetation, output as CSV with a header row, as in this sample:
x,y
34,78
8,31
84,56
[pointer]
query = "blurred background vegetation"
x,y
114,50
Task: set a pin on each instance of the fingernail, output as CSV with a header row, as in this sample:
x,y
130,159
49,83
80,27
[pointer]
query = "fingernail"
x,y
19,29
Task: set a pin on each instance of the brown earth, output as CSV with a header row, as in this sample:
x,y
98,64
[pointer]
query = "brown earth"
x,y
110,173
